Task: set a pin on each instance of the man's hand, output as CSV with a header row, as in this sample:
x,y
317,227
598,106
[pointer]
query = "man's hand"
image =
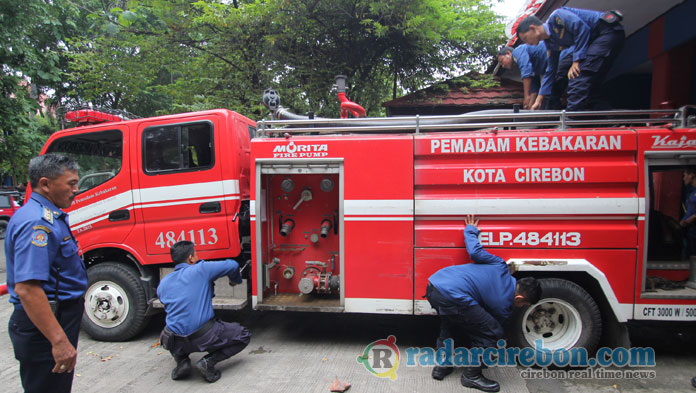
x,y
537,102
36,306
471,220
65,356
574,70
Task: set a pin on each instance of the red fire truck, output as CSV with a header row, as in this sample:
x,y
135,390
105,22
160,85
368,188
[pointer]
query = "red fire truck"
x,y
354,215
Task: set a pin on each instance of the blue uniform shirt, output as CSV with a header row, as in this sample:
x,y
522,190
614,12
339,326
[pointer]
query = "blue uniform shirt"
x,y
571,27
532,61
187,293
486,282
690,205
37,243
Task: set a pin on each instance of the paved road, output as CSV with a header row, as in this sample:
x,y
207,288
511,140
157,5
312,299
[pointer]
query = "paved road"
x,y
304,352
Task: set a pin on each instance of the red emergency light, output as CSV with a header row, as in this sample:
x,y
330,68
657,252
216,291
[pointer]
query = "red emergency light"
x,y
89,116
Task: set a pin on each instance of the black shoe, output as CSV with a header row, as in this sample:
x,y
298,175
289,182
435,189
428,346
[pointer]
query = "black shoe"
x,y
182,369
206,367
693,382
440,372
473,378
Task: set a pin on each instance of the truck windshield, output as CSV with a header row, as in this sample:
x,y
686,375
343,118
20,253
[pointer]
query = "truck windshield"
x,y
99,155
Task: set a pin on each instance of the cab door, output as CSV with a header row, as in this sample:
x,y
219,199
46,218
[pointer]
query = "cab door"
x,y
181,191
101,212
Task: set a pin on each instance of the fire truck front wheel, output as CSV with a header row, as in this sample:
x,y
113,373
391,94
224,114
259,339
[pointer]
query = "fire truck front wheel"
x,y
565,317
115,303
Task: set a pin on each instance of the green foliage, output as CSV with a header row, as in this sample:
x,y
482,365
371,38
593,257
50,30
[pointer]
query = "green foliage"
x,y
225,53
31,32
22,135
153,57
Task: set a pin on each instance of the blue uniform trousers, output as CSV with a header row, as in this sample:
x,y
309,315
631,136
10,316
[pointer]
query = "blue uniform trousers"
x,y
558,86
34,351
584,91
469,326
225,339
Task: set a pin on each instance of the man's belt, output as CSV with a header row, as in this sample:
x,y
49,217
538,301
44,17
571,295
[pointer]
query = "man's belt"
x,y
198,333
202,330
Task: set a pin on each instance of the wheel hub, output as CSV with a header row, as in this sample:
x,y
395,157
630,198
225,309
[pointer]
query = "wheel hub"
x,y
106,304
554,321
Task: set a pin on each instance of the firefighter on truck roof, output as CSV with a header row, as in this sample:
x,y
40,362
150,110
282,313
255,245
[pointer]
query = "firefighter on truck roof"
x,y
532,62
473,301
597,38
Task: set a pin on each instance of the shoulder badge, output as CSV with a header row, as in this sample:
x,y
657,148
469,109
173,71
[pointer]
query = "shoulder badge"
x,y
42,227
39,238
559,21
48,215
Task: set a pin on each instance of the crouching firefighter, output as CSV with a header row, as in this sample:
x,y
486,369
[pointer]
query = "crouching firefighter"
x,y
473,301
191,326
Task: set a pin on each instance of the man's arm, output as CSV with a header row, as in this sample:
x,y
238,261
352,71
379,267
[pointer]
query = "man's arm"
x,y
548,78
529,95
473,246
35,304
235,275
572,24
216,269
690,214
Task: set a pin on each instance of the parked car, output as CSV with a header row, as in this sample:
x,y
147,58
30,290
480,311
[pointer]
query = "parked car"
x,y
8,206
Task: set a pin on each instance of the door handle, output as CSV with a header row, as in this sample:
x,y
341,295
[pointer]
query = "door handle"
x,y
210,207
119,215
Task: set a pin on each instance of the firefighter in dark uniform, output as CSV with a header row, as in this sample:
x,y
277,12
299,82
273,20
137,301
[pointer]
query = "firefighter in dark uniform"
x,y
187,295
46,278
473,301
687,221
597,38
532,61
689,218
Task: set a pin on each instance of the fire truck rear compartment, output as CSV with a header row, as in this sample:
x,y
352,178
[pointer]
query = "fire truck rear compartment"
x,y
300,247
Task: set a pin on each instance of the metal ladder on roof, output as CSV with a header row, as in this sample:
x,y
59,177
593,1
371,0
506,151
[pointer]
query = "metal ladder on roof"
x,y
684,117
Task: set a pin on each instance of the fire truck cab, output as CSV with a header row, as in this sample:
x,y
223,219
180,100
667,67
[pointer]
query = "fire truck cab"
x,y
354,215
145,184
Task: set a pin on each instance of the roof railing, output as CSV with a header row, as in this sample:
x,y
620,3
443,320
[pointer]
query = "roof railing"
x,y
529,120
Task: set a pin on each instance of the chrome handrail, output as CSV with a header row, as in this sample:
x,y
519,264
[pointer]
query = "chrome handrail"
x,y
554,120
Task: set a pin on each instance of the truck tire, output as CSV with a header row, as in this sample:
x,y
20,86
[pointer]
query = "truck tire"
x,y
3,228
115,303
565,317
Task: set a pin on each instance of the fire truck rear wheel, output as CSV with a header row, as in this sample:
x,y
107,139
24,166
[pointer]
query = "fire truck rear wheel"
x,y
565,317
115,303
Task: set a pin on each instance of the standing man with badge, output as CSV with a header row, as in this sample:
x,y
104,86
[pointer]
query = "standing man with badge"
x,y
46,278
597,38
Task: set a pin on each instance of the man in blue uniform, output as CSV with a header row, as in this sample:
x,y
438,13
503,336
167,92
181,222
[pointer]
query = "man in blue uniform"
x,y
689,219
187,295
533,65
46,278
597,38
474,300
